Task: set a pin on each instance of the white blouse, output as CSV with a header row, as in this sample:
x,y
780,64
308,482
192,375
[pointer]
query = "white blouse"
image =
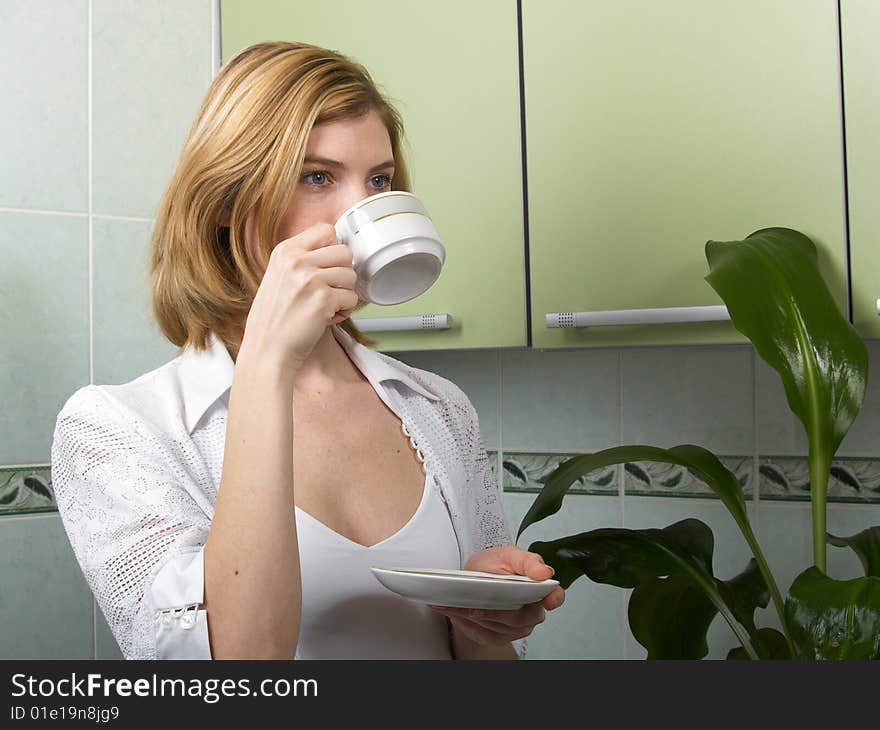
x,y
136,468
353,616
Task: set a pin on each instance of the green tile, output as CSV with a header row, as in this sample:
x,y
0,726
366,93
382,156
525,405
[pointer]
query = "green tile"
x,y
785,533
127,342
45,604
697,395
45,323
105,645
151,62
779,430
560,401
44,134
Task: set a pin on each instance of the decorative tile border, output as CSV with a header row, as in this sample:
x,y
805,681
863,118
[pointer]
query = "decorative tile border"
x,y
672,480
26,490
527,472
788,478
784,478
779,478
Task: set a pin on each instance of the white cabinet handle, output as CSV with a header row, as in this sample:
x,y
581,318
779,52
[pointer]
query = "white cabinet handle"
x,y
878,306
616,317
416,322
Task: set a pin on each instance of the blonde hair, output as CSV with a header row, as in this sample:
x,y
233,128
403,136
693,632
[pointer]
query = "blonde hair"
x,y
243,155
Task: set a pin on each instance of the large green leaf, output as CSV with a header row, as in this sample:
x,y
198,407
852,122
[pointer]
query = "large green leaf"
x,y
670,618
704,464
865,544
777,297
637,559
625,558
834,619
769,643
701,462
744,594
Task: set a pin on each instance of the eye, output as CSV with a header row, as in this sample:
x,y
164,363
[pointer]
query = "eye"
x,y
316,179
383,181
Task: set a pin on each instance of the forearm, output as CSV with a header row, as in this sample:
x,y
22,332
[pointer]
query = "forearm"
x,y
253,592
464,648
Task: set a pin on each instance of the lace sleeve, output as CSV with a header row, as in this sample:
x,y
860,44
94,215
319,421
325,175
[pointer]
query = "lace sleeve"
x,y
493,525
136,532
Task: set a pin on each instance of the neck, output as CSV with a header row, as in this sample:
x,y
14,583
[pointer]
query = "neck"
x,y
327,369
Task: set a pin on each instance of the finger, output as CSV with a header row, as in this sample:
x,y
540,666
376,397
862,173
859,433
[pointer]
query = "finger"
x,y
342,315
484,636
288,254
513,560
497,626
532,565
515,630
344,300
330,255
470,631
313,238
338,277
529,615
554,599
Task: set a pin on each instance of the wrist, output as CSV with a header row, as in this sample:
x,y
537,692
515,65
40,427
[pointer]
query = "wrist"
x,y
464,648
266,364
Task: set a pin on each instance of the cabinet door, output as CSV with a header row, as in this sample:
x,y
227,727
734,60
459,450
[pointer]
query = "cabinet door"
x,y
653,127
860,21
451,69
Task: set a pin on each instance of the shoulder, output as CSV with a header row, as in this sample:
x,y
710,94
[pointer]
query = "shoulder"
x,y
452,413
151,397
450,395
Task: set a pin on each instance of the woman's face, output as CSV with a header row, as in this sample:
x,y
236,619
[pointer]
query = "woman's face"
x,y
346,161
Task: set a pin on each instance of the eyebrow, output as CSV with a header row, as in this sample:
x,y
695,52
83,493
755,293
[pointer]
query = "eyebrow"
x,y
337,164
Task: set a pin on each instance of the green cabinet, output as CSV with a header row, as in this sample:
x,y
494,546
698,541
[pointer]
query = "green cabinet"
x,y
860,25
451,69
653,127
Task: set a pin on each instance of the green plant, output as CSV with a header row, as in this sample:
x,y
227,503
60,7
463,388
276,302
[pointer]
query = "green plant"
x,y
777,298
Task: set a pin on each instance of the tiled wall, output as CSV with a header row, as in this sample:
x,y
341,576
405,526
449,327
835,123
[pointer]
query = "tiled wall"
x,y
98,95
95,131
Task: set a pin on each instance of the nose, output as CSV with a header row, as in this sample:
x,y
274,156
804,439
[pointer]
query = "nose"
x,y
346,201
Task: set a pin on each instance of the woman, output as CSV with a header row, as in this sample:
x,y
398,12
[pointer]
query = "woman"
x,y
177,490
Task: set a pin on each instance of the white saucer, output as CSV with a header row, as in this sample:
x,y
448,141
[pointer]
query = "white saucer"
x,y
464,588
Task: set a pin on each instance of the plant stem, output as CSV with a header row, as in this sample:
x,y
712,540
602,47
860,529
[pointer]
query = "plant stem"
x,y
820,469
771,584
712,594
728,616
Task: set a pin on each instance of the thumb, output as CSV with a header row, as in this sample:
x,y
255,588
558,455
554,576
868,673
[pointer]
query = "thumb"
x,y
530,565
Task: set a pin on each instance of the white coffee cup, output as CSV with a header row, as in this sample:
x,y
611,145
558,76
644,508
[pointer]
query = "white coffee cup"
x,y
396,251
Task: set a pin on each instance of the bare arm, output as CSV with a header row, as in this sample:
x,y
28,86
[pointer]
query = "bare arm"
x,y
253,592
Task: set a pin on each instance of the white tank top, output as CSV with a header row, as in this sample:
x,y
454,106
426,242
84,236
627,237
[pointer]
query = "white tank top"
x,y
347,613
